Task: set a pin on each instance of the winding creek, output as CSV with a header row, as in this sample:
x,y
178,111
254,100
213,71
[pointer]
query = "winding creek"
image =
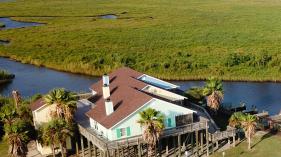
x,y
31,80
11,24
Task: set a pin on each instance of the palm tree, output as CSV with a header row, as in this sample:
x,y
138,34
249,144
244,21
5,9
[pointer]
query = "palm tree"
x,y
214,92
47,136
17,137
17,97
235,119
153,123
8,114
248,123
55,133
65,103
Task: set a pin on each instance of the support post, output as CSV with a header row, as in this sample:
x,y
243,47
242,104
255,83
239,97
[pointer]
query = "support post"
x,y
197,141
118,153
174,145
217,144
192,144
207,139
228,141
82,146
139,148
212,144
167,146
76,147
89,148
201,142
179,145
95,151
233,140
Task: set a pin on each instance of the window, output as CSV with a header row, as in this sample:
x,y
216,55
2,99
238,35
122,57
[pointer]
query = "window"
x,y
96,126
123,132
169,122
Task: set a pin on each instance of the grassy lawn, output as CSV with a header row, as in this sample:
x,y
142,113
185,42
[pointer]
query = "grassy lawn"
x,y
194,39
263,146
4,149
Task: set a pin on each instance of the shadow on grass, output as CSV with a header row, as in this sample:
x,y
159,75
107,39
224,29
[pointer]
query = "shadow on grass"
x,y
267,135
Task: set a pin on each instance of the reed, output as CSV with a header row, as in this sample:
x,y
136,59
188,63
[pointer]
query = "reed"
x,y
233,40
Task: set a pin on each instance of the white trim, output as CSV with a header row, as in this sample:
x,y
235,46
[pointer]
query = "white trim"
x,y
40,107
174,86
153,99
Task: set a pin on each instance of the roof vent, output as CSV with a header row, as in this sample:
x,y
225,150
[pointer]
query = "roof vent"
x,y
105,79
108,107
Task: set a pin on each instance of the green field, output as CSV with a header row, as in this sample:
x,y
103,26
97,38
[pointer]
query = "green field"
x,y
263,146
171,39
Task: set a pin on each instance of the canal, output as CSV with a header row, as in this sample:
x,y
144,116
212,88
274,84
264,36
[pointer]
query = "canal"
x,y
31,80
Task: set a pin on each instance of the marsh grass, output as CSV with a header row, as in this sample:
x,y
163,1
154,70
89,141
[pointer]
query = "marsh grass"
x,y
173,40
4,75
2,25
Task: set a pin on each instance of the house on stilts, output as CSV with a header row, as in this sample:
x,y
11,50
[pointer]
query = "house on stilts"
x,y
107,117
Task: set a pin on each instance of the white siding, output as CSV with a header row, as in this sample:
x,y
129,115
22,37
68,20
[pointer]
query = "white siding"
x,y
101,129
168,109
43,114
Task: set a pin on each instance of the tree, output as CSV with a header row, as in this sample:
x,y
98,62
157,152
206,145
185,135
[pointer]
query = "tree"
x,y
153,123
55,133
17,97
214,91
248,123
65,102
17,136
8,114
235,119
18,126
195,94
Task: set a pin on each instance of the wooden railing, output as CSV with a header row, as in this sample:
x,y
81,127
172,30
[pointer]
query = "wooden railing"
x,y
93,137
104,144
84,96
185,128
230,132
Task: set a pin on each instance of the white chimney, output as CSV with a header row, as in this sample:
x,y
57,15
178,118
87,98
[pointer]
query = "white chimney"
x,y
108,107
105,91
105,79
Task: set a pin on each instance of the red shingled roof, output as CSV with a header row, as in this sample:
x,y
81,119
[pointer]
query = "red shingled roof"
x,y
125,95
37,104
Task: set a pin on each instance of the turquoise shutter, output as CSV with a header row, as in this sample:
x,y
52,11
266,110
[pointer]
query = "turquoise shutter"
x,y
128,131
118,132
169,122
